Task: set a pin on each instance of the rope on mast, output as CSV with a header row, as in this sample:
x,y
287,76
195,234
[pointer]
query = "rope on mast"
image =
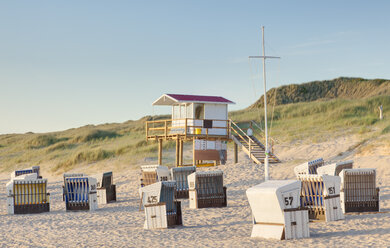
x,y
273,108
254,90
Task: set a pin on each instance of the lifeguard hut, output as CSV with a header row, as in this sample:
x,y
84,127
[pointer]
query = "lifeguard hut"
x,y
200,119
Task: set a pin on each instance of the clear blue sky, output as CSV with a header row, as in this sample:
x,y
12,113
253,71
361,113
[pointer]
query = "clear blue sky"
x,y
65,64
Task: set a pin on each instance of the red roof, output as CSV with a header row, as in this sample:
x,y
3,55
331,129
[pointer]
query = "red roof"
x,y
196,98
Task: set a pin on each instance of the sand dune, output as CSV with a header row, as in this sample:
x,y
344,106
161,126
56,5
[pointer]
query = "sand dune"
x,y
121,224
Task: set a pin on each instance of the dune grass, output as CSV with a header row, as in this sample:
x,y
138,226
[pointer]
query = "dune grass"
x,y
125,142
313,120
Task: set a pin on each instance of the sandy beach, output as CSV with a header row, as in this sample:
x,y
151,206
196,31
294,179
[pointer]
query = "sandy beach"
x,y
120,224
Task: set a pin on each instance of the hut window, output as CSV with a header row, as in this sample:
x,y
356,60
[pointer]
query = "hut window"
x,y
199,111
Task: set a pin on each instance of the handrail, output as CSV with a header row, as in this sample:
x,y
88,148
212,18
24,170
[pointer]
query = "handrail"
x,y
165,126
249,138
234,126
257,125
272,140
183,119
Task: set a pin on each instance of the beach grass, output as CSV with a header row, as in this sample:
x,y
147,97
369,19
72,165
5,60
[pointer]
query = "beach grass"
x,y
316,121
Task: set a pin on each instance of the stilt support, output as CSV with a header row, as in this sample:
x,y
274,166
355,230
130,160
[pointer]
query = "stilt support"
x,y
181,143
193,153
235,153
177,162
160,151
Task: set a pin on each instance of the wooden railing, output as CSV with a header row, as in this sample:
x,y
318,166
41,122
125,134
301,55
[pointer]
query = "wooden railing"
x,y
187,127
236,130
258,130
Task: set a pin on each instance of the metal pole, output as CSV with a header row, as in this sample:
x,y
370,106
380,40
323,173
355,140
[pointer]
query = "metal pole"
x,y
266,173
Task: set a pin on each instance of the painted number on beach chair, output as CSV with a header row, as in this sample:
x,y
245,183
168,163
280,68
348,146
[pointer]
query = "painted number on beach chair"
x,y
152,199
331,190
288,200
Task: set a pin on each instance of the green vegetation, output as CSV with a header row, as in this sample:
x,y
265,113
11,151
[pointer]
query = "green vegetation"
x,y
41,141
345,88
313,112
386,130
94,135
88,156
320,120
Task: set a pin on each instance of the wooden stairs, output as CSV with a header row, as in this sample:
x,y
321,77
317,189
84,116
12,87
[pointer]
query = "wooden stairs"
x,y
251,145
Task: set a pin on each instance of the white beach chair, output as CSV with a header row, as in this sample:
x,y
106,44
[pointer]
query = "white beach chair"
x,y
358,190
334,169
161,209
321,194
308,167
206,189
70,175
27,194
154,173
80,193
34,169
106,190
180,175
276,210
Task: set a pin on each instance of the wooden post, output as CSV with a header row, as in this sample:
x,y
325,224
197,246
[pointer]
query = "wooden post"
x,y
181,144
146,124
160,152
235,153
166,129
186,127
177,151
228,128
193,152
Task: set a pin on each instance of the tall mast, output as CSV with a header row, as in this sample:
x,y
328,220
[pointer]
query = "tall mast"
x,y
266,159
266,171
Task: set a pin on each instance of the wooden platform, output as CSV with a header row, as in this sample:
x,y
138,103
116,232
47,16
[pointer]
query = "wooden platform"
x,y
188,137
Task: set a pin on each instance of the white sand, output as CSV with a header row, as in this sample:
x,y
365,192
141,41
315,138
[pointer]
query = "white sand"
x,y
121,224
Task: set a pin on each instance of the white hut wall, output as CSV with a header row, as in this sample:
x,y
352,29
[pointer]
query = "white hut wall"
x,y
181,112
218,113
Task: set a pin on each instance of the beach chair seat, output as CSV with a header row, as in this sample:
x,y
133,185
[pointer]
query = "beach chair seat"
x,y
308,167
334,169
161,209
180,175
27,194
34,169
321,195
276,210
358,190
80,193
154,173
106,190
206,189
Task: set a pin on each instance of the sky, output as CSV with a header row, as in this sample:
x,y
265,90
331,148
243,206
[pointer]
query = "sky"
x,y
65,64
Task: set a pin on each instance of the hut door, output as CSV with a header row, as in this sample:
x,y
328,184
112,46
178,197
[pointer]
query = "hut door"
x,y
199,111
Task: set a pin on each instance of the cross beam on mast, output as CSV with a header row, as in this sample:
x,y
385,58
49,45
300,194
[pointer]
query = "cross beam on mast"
x,y
266,171
264,57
